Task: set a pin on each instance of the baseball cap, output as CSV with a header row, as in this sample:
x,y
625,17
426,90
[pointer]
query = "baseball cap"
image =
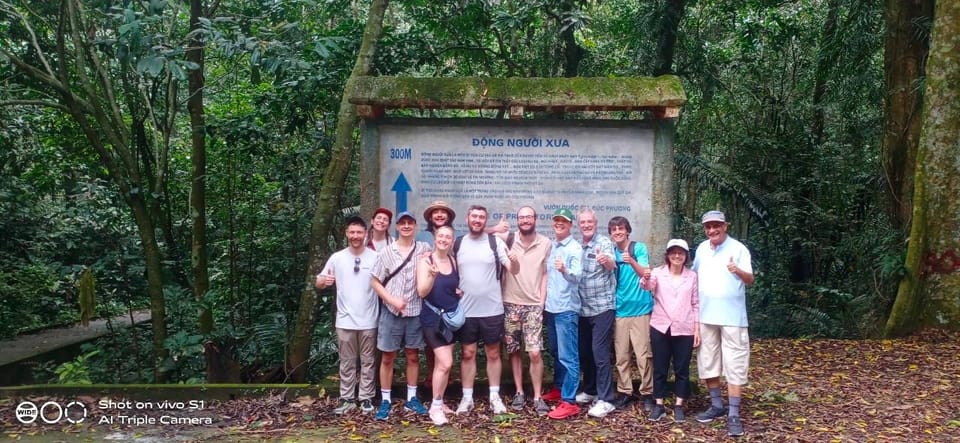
x,y
406,214
678,242
384,211
713,216
564,213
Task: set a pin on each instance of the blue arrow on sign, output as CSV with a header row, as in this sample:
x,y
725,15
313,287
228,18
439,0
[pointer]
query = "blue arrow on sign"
x,y
401,187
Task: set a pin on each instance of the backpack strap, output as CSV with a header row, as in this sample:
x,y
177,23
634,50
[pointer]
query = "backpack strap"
x,y
633,250
496,257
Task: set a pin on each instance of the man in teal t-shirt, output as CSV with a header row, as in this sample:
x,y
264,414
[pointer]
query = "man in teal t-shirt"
x,y
634,305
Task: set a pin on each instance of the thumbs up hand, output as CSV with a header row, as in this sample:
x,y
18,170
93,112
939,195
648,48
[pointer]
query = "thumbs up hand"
x,y
602,258
501,227
732,267
324,280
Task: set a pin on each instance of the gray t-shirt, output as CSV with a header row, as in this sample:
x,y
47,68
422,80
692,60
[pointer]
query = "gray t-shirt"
x,y
478,276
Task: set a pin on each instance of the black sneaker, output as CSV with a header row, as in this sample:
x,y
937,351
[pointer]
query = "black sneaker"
x,y
678,415
648,403
734,426
710,414
366,406
623,401
657,412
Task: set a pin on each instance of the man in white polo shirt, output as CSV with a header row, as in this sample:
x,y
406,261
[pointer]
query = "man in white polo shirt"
x,y
724,271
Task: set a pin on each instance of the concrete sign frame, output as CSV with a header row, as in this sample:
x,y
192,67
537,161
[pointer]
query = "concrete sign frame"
x,y
615,167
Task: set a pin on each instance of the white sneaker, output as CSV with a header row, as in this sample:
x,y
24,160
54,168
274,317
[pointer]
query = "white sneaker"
x,y
496,403
466,405
437,416
600,409
584,398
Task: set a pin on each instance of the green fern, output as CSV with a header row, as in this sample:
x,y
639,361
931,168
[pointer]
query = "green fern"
x,y
722,178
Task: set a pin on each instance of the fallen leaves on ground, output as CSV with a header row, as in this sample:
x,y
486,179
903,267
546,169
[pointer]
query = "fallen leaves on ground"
x,y
800,390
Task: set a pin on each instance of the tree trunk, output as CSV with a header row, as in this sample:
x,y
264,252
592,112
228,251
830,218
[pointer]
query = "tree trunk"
x,y
826,61
572,52
904,53
667,36
929,294
334,180
213,354
154,263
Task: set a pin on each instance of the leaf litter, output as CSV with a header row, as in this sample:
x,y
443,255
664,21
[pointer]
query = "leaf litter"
x,y
801,390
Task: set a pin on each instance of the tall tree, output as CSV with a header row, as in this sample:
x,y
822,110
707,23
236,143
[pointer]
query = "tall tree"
x,y
930,291
826,61
905,50
570,18
328,199
667,36
65,58
198,193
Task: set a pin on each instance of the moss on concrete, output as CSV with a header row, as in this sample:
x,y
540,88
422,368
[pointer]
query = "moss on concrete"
x,y
578,93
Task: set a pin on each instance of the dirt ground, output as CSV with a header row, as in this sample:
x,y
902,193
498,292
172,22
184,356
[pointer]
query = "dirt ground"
x,y
800,391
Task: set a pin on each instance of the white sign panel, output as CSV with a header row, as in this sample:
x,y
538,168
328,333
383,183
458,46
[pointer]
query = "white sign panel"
x,y
608,169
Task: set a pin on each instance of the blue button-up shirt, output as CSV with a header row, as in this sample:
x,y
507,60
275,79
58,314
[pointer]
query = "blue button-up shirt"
x,y
562,289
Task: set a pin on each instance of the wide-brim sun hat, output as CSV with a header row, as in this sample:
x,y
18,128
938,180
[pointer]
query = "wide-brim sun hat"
x,y
439,204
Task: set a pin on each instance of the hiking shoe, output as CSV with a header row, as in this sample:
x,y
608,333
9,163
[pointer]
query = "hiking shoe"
x,y
344,406
496,403
518,401
678,415
657,413
437,416
623,401
584,398
600,409
541,407
415,406
465,406
551,395
366,406
565,410
710,414
734,426
648,403
383,412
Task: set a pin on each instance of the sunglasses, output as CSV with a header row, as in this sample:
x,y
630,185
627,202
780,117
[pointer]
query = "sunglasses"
x,y
356,265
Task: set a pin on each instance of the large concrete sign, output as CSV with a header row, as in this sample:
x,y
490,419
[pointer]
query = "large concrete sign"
x,y
503,165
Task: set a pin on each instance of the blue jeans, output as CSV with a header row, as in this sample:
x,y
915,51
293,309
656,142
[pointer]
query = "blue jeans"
x,y
562,343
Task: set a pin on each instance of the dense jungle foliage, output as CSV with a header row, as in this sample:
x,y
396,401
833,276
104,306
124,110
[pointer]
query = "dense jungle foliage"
x,y
782,130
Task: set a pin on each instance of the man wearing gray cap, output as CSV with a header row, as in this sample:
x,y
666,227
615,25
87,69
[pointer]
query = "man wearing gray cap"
x,y
724,271
393,278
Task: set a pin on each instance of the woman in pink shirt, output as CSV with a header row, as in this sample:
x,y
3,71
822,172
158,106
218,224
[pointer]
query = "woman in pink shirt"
x,y
674,325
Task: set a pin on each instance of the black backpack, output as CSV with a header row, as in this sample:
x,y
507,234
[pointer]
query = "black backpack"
x,y
633,250
493,247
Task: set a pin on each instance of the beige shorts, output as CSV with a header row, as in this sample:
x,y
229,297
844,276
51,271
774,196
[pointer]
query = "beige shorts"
x,y
724,350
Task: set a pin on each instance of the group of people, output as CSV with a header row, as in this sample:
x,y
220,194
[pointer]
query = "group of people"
x,y
603,306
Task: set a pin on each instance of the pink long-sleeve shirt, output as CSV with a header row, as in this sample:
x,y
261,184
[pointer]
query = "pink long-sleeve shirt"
x,y
676,303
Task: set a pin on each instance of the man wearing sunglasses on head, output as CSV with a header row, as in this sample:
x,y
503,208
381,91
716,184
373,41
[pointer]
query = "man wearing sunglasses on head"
x,y
357,309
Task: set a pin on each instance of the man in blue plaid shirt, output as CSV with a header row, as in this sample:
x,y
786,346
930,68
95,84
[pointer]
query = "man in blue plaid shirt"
x,y
598,288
